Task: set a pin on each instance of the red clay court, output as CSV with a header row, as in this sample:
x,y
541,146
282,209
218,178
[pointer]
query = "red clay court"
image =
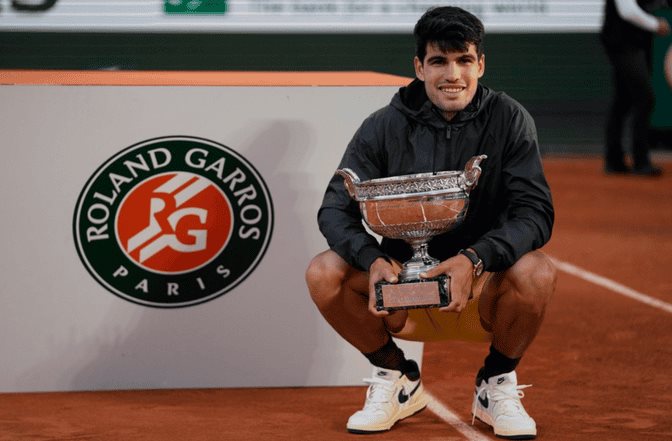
x,y
599,366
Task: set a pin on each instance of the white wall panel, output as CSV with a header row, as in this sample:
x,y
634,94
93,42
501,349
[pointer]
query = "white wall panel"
x,y
61,330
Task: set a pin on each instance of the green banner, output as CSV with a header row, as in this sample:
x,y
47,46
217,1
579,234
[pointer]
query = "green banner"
x,y
200,7
662,77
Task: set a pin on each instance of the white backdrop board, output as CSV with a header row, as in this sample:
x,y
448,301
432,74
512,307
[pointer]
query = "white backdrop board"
x,y
61,329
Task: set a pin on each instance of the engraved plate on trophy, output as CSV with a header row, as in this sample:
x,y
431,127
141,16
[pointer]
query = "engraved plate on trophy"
x,y
414,208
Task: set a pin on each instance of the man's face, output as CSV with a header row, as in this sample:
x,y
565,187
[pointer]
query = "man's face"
x,y
451,78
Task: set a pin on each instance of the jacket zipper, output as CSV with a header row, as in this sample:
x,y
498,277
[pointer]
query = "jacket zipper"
x,y
449,144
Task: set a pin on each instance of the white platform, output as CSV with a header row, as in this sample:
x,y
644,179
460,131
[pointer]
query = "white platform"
x,y
61,330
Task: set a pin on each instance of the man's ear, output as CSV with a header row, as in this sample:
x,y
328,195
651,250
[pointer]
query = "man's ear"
x,y
481,66
419,68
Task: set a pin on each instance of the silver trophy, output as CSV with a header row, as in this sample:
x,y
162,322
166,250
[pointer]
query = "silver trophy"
x,y
414,208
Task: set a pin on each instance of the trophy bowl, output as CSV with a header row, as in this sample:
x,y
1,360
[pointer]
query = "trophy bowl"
x,y
414,208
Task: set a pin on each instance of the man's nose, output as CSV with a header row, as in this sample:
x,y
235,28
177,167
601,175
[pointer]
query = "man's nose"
x,y
451,72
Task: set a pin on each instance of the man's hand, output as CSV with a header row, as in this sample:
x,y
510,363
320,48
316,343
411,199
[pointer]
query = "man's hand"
x,y
382,269
379,270
460,270
663,27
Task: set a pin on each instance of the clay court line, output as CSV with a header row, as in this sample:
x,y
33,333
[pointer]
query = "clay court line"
x,y
611,285
449,417
471,434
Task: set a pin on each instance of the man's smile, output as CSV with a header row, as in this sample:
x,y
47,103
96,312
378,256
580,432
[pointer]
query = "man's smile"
x,y
451,90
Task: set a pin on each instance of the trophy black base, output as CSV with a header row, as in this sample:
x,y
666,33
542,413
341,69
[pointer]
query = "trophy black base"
x,y
412,294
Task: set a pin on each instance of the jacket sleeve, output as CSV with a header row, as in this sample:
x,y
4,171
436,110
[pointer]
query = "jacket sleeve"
x,y
527,219
339,217
630,11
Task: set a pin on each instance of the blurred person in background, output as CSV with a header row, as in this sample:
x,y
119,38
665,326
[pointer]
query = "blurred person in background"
x,y
627,36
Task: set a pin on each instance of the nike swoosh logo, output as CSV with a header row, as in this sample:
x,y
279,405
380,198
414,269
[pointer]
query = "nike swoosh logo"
x,y
484,401
402,395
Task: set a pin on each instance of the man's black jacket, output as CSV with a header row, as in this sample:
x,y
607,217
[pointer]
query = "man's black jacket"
x,y
510,211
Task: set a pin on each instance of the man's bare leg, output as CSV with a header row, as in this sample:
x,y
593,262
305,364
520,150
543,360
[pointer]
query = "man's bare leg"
x,y
340,292
395,391
512,307
513,304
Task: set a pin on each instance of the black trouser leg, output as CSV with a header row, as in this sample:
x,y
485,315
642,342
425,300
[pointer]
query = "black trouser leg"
x,y
614,154
632,92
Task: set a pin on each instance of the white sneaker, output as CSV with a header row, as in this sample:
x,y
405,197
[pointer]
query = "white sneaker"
x,y
497,404
390,397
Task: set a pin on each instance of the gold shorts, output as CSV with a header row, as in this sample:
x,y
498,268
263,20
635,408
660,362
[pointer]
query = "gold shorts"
x,y
433,325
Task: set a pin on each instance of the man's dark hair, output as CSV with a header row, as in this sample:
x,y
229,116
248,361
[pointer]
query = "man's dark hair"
x,y
450,28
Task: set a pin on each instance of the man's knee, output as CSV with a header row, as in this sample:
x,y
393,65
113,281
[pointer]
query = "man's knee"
x,y
533,277
325,276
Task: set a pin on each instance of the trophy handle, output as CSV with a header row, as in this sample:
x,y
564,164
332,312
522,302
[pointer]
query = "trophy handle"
x,y
472,172
350,179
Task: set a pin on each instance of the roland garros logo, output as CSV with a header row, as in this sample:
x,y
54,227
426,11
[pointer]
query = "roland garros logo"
x,y
173,222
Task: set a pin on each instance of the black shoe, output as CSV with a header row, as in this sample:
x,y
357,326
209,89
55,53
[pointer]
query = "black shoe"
x,y
647,170
613,169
